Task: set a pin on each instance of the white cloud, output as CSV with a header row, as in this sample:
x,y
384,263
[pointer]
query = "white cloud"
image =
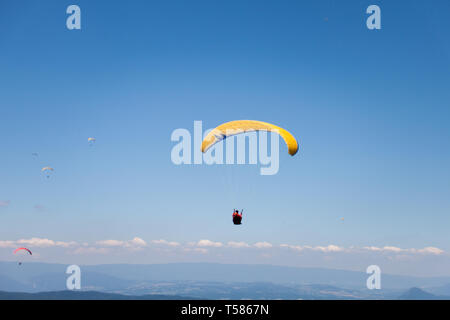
x,y
7,244
241,244
165,242
201,246
353,249
426,250
209,243
37,242
263,245
66,244
372,248
393,249
297,248
431,250
329,248
138,242
45,243
111,243
386,249
134,243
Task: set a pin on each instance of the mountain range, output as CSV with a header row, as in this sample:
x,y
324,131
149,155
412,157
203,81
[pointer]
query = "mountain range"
x,y
209,281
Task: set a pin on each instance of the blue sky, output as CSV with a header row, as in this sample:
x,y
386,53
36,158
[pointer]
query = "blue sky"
x,y
369,108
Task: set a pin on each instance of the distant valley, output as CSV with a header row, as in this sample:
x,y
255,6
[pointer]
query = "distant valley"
x,y
208,281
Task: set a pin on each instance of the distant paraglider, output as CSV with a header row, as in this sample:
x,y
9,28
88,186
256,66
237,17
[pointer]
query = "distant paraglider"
x,y
47,171
25,250
91,141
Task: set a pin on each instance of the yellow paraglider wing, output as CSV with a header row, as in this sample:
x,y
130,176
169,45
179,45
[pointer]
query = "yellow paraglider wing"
x,y
240,126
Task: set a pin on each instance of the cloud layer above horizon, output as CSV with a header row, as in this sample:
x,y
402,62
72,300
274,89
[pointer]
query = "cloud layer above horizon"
x,y
393,259
206,245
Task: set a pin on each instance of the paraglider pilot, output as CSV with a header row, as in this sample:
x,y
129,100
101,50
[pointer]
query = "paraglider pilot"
x,y
237,218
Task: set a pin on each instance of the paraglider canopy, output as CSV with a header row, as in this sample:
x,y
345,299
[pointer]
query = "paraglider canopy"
x,y
25,249
47,171
240,126
91,141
